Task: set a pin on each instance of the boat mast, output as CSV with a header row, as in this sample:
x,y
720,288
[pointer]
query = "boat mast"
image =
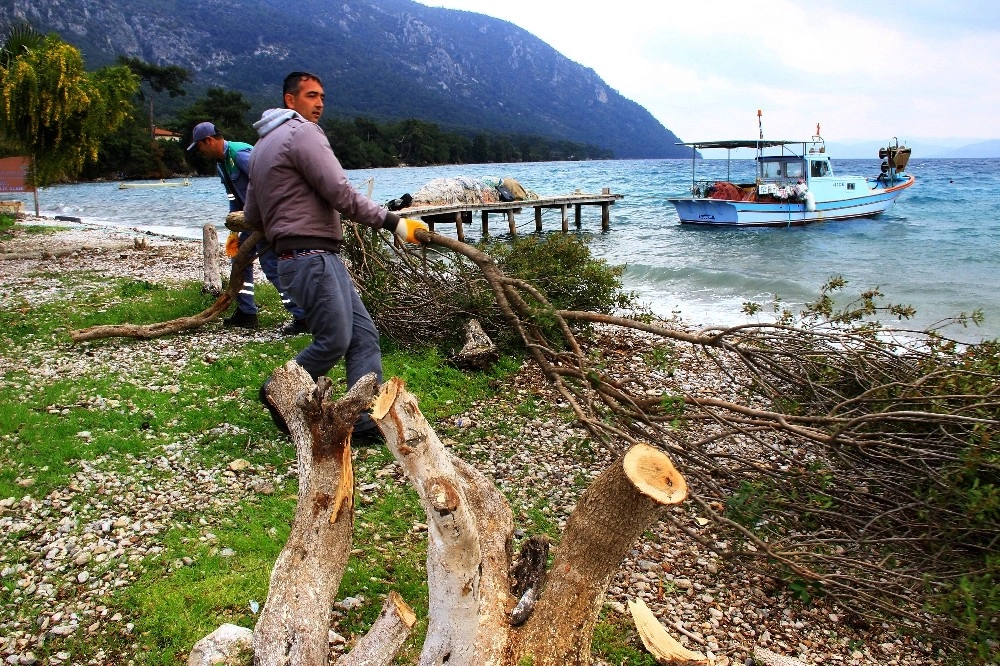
x,y
760,146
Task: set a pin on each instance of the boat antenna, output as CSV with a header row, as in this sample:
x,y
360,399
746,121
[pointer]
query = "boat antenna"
x,y
760,141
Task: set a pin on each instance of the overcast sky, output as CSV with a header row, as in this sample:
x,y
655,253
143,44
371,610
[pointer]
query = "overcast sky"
x,y
931,69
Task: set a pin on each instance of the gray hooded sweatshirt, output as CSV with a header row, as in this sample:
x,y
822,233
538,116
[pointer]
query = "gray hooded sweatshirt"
x,y
298,190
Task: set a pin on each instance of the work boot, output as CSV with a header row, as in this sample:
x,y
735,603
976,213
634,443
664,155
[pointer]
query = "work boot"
x,y
240,319
295,327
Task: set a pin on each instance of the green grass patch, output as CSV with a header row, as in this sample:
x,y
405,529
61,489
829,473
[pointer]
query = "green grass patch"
x,y
126,401
175,605
617,641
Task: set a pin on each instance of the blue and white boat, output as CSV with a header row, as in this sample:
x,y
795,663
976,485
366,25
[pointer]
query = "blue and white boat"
x,y
795,186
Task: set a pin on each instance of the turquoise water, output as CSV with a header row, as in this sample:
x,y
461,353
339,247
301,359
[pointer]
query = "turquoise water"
x,y
937,249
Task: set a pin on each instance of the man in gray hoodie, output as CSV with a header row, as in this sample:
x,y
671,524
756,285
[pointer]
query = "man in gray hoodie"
x,y
297,194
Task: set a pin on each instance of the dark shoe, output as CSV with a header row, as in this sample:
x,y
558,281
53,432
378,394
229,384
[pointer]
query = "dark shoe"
x,y
275,414
240,319
295,327
368,438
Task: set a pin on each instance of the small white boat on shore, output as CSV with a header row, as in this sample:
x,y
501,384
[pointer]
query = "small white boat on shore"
x,y
793,187
162,183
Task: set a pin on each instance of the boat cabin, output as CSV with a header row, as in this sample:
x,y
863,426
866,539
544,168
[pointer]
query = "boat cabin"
x,y
782,169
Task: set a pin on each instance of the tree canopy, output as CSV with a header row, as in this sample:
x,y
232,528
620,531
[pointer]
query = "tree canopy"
x,y
53,110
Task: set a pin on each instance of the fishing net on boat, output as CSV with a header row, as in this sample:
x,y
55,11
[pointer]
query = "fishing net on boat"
x,y
469,190
724,190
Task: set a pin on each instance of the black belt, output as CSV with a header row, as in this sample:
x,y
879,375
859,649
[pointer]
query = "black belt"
x,y
292,254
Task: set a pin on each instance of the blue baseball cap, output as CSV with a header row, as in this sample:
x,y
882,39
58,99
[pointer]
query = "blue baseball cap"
x,y
201,131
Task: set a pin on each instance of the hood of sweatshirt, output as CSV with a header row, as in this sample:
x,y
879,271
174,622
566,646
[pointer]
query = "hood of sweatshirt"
x,y
272,118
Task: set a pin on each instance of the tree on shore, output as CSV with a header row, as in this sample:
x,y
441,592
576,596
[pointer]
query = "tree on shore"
x,y
53,110
169,79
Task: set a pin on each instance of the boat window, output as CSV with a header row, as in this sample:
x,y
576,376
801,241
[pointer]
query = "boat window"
x,y
793,169
820,168
772,169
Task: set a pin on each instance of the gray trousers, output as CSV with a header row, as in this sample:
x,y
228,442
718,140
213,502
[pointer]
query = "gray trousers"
x,y
339,322
269,264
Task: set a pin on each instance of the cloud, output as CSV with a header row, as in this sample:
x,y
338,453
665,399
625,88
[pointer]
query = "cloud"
x,y
861,69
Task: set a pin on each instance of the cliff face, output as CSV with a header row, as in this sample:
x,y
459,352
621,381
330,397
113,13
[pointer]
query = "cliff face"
x,y
389,59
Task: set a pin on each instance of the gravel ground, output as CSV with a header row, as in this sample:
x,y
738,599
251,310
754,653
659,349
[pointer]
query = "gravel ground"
x,y
94,535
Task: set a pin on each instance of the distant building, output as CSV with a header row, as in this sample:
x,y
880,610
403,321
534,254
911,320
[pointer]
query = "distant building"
x,y
165,135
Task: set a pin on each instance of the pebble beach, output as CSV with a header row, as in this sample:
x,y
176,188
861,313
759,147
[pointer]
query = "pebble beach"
x,y
63,555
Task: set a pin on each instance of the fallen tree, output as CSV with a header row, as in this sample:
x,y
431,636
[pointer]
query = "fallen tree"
x,y
837,456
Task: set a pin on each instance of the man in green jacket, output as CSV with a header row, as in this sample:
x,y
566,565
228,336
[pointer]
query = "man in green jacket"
x,y
232,159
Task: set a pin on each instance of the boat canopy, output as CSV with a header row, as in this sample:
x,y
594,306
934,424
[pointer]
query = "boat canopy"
x,y
732,144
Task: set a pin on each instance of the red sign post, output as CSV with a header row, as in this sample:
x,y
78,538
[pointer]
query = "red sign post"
x,y
14,177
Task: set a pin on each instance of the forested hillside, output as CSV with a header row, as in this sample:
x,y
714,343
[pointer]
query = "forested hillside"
x,y
385,59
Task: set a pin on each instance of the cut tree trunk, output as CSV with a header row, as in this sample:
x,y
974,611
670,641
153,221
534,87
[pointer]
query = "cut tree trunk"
x,y
210,250
469,528
479,352
469,553
610,515
470,542
294,624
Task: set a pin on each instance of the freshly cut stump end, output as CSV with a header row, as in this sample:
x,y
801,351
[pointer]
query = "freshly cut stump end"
x,y
654,475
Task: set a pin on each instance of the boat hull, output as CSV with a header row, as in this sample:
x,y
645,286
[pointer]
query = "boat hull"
x,y
793,213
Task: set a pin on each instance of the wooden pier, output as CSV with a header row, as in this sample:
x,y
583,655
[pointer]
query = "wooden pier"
x,y
461,214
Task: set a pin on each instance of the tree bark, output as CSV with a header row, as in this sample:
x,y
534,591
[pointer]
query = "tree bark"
x,y
469,553
610,516
294,624
470,527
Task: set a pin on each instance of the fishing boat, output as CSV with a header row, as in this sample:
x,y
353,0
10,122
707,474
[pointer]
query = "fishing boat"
x,y
795,185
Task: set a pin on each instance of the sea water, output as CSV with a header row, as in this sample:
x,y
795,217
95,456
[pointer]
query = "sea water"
x,y
937,249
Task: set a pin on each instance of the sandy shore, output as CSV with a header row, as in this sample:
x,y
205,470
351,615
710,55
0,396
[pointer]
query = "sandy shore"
x,y
712,605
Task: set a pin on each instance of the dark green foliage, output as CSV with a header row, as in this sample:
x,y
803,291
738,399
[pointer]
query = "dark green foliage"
x,y
128,153
364,143
228,110
20,38
973,602
168,79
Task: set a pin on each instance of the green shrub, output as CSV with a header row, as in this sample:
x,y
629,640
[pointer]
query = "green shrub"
x,y
429,301
562,267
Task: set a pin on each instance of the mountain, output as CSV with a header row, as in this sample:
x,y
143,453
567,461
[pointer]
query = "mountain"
x,y
385,59
982,149
921,147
